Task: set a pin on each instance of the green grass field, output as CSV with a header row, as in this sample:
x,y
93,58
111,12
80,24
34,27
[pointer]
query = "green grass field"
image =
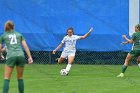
x,y
82,79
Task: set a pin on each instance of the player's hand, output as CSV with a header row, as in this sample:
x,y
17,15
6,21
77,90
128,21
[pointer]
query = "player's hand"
x,y
124,43
30,60
3,49
54,51
124,36
91,29
1,56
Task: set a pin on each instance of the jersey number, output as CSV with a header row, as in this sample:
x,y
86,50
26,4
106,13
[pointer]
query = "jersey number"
x,y
13,39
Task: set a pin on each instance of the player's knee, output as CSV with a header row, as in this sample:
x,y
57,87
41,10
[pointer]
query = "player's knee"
x,y
127,59
126,63
138,60
60,60
19,77
70,61
7,76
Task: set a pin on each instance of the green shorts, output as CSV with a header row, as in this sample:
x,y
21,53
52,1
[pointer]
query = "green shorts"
x,y
18,61
134,53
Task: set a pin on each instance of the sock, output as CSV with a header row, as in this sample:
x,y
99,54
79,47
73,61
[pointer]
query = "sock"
x,y
6,86
139,64
68,67
124,68
21,86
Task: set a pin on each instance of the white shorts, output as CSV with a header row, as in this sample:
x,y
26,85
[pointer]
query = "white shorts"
x,y
66,54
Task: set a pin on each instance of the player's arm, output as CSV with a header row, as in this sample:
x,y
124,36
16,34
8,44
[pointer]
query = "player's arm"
x,y
127,40
1,52
30,60
87,34
124,43
58,47
1,49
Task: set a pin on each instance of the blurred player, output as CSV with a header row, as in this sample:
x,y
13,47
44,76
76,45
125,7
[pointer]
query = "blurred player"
x,y
69,51
135,52
15,56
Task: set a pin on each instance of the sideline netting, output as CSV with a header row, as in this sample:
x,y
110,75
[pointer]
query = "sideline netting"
x,y
81,57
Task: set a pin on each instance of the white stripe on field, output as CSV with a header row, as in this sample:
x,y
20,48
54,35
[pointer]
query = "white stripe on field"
x,y
133,15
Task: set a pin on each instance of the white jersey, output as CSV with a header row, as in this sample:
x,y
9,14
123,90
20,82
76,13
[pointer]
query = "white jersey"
x,y
70,42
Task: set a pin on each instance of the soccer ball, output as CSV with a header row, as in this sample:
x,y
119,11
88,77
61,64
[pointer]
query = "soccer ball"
x,y
63,72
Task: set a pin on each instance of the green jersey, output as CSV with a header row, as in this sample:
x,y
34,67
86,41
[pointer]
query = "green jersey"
x,y
12,40
136,39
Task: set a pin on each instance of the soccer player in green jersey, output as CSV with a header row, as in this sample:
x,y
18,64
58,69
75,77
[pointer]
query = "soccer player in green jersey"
x,y
15,56
135,52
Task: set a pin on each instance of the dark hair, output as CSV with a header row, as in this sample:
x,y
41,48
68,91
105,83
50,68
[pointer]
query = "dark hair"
x,y
9,25
70,28
138,26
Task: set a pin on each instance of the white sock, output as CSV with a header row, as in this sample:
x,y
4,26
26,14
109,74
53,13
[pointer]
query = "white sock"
x,y
68,67
139,64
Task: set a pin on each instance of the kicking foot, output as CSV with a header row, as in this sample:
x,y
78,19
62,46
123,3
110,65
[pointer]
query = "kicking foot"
x,y
67,73
121,75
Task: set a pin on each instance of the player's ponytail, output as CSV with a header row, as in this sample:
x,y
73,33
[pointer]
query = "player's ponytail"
x,y
71,28
9,25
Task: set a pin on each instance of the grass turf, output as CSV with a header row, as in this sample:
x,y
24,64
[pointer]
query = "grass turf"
x,y
82,79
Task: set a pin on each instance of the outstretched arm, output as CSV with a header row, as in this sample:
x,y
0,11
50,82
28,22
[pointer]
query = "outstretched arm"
x,y
87,34
127,40
30,60
58,47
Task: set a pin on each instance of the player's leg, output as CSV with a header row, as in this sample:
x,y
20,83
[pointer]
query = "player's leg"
x,y
20,70
124,67
62,57
70,61
138,60
10,63
7,76
127,60
138,57
60,60
71,57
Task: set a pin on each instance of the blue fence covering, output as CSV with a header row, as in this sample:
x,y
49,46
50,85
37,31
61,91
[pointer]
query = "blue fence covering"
x,y
44,22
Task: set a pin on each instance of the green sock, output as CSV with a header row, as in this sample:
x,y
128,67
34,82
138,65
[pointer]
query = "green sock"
x,y
6,86
124,68
21,86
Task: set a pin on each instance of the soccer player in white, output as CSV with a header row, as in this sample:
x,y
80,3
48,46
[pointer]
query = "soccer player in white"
x,y
69,51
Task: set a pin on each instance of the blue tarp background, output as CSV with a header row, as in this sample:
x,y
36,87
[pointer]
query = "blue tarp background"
x,y
44,22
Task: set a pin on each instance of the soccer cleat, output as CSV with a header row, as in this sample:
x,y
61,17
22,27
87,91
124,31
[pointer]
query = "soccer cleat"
x,y
67,73
121,75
